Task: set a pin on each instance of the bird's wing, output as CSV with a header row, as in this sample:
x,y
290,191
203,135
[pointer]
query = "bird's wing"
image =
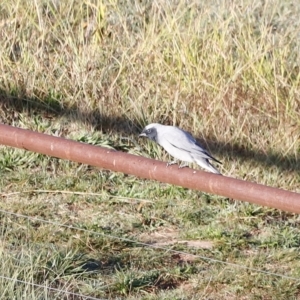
x,y
185,141
198,147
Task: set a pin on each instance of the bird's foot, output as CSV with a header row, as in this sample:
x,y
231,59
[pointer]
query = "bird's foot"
x,y
171,163
183,165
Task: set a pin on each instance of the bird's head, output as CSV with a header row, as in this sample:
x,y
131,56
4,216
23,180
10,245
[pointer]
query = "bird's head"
x,y
150,131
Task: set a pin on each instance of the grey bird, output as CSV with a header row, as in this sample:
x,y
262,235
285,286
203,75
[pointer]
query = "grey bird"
x,y
180,144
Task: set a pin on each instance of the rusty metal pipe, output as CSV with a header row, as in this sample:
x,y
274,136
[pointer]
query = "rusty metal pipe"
x,y
149,168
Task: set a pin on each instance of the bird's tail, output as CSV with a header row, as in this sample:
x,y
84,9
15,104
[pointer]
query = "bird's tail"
x,y
205,164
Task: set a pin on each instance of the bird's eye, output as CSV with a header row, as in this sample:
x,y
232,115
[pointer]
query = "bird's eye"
x,y
148,131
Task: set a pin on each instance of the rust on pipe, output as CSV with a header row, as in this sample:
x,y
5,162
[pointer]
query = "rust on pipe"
x,y
149,168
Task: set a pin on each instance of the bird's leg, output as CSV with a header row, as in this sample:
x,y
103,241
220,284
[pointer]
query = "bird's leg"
x,y
183,165
174,162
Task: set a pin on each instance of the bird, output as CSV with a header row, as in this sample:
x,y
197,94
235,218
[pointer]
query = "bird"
x,y
181,145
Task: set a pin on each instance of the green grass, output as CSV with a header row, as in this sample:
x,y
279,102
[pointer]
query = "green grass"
x,y
98,72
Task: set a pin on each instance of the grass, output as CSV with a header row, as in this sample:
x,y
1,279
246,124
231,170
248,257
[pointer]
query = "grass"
x,y
98,72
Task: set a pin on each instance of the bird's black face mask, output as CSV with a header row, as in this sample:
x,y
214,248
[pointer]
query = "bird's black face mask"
x,y
150,133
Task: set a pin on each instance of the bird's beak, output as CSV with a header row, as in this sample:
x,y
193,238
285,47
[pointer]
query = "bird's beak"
x,y
142,134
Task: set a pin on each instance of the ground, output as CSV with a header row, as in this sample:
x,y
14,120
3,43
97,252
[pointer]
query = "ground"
x,y
98,72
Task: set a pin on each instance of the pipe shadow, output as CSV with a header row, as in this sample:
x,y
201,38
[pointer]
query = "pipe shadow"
x,y
268,159
11,105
